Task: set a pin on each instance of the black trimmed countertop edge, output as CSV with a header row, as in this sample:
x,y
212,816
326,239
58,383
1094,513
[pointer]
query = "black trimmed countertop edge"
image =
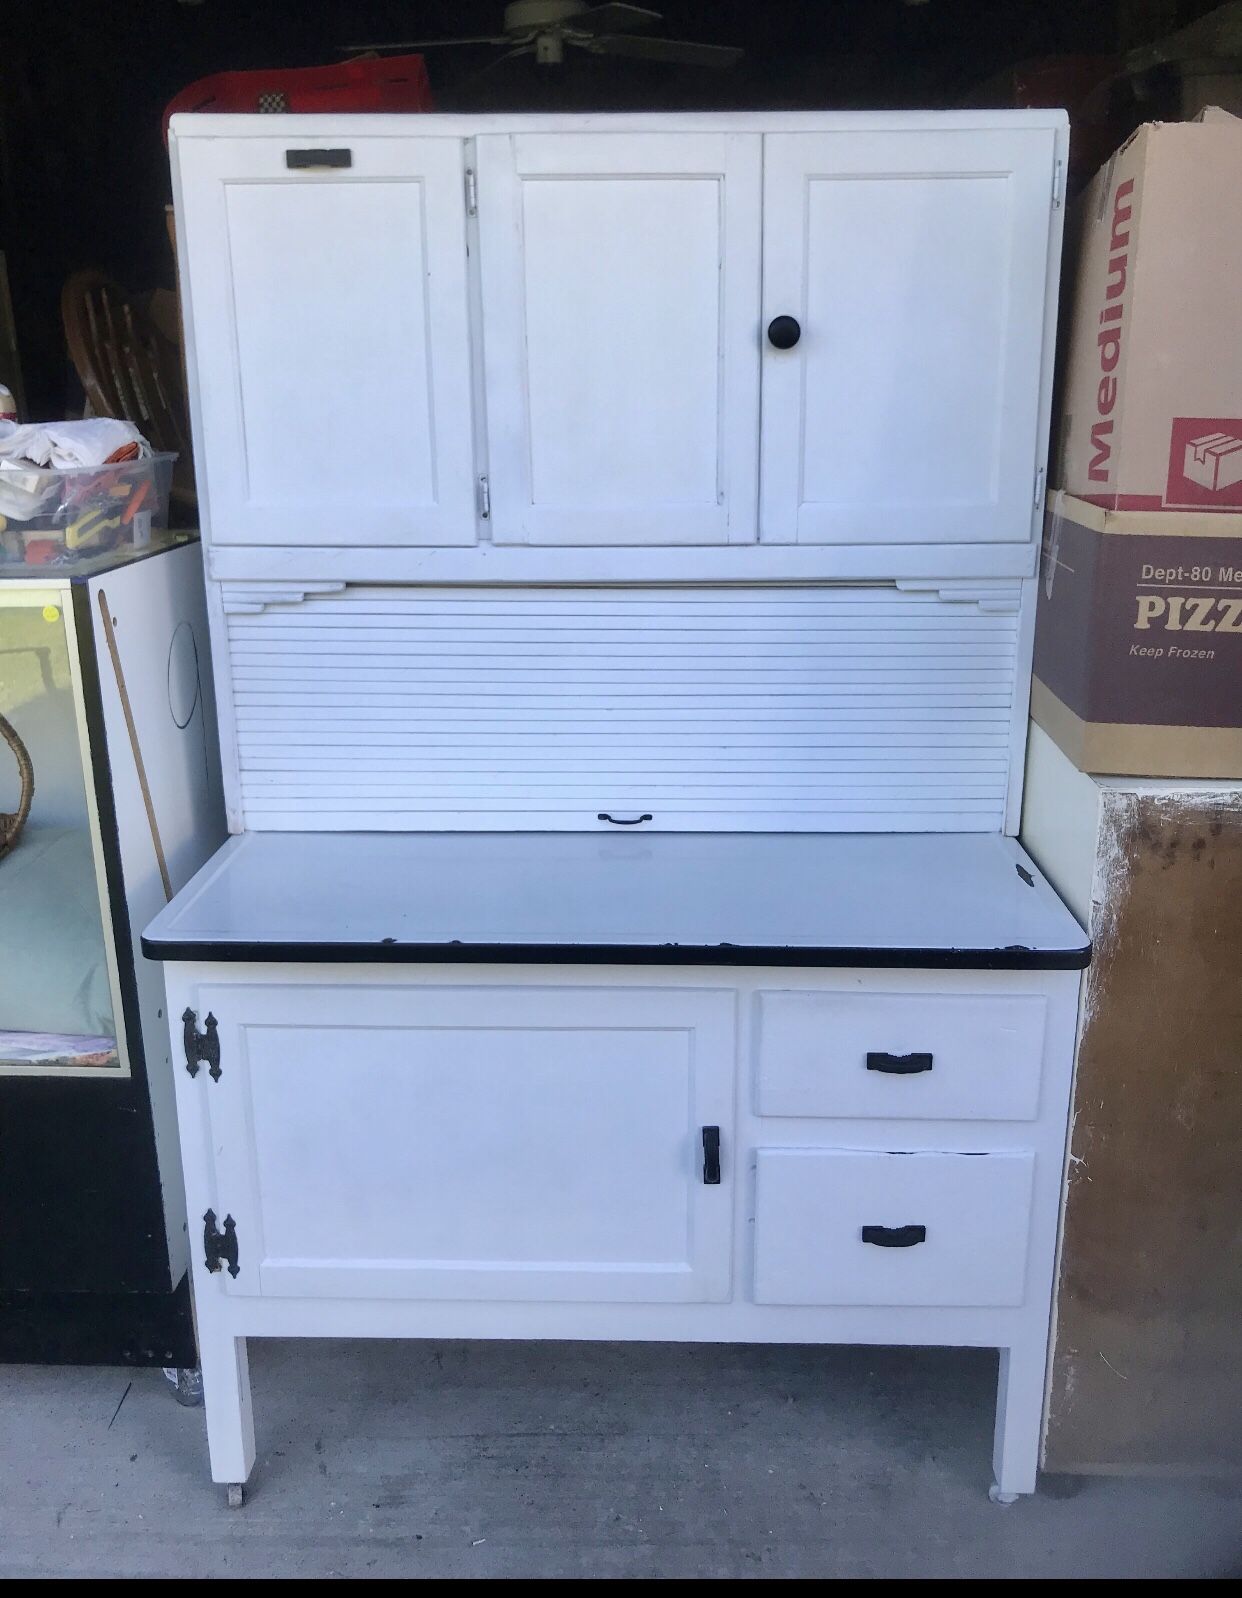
x,y
391,952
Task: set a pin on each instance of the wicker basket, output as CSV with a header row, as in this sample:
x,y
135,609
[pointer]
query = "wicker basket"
x,y
12,822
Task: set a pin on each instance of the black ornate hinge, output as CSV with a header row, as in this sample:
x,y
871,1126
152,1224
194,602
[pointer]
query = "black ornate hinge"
x,y
204,1046
220,1247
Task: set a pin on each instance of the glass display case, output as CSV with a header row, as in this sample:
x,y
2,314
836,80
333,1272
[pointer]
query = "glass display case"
x,y
110,800
59,1000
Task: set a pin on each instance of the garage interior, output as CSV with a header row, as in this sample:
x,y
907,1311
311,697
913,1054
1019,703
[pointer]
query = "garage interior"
x,y
554,1460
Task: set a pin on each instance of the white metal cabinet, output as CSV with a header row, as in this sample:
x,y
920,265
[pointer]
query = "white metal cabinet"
x,y
507,1141
432,1119
327,310
473,1143
915,265
620,298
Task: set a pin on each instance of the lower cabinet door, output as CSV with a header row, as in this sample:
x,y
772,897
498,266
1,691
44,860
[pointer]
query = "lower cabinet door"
x,y
848,1226
474,1142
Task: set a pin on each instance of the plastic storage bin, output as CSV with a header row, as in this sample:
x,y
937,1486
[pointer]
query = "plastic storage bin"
x,y
52,516
392,83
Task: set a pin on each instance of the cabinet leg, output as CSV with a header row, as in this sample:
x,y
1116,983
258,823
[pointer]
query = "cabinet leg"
x,y
226,1392
1019,1418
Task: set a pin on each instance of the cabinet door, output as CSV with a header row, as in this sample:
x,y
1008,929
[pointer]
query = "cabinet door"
x,y
473,1142
620,309
327,308
915,263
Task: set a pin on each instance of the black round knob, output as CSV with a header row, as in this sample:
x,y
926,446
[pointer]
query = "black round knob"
x,y
784,332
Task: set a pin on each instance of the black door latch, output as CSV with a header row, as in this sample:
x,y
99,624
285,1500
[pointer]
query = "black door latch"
x,y
308,160
711,1156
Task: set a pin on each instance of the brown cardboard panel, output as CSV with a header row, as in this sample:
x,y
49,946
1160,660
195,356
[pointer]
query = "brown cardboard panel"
x,y
1152,402
1138,640
1145,523
1121,749
1147,1365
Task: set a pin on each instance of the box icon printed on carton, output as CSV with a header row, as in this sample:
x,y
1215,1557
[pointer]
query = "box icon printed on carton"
x,y
1211,461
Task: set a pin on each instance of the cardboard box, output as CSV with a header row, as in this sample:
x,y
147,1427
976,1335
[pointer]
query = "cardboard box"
x,y
1151,407
1138,640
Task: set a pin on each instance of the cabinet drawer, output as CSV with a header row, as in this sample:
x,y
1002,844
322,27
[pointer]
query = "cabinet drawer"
x,y
837,1226
900,1056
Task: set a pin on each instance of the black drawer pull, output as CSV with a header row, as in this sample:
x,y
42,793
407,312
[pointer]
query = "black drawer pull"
x,y
300,160
898,1064
711,1156
625,821
894,1236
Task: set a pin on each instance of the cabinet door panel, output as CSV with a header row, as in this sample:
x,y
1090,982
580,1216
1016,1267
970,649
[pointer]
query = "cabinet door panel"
x,y
473,1142
331,343
908,411
620,303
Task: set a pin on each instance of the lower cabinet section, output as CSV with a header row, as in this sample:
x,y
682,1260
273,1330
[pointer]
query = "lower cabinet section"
x,y
703,1155
466,1143
847,1226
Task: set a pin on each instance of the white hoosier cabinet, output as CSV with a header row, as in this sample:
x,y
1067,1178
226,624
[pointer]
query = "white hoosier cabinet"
x,y
621,539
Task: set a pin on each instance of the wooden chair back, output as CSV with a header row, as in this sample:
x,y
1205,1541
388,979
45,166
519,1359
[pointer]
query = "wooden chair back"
x,y
129,368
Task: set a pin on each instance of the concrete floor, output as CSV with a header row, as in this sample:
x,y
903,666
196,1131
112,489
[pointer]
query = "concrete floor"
x,y
472,1459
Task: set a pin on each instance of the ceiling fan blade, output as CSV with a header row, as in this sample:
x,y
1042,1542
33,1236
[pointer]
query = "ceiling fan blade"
x,y
660,49
498,61
416,44
613,19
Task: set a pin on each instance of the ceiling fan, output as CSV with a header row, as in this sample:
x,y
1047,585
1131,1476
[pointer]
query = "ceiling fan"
x,y
543,28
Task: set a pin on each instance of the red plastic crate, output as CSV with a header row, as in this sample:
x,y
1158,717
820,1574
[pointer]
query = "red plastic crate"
x,y
389,83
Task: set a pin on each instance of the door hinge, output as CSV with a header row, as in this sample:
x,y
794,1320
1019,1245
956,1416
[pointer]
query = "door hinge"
x,y
220,1248
472,193
1039,487
1058,184
485,498
201,1046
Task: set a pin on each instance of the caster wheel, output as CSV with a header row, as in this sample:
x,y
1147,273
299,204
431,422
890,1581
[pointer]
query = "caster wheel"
x,y
998,1497
236,1491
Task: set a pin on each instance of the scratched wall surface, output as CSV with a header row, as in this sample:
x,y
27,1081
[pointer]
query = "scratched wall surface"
x,y
1147,1367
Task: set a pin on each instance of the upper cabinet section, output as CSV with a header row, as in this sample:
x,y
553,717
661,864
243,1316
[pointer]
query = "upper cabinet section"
x,y
328,302
620,278
914,266
758,334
